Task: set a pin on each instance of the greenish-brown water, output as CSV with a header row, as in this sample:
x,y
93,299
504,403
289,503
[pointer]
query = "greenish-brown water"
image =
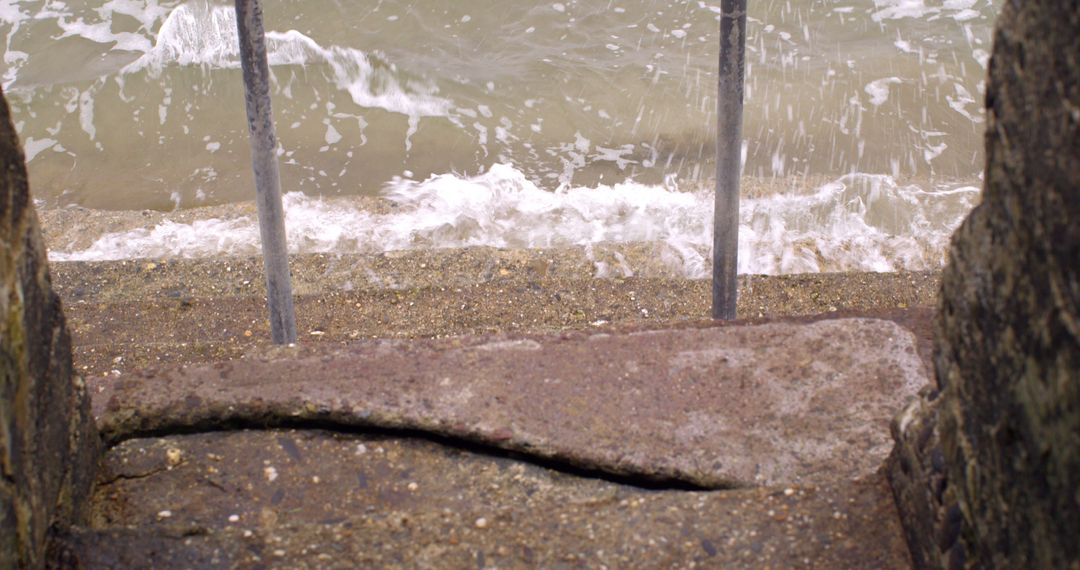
x,y
513,123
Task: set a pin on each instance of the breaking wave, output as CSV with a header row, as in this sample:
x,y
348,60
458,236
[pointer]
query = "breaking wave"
x,y
856,223
205,35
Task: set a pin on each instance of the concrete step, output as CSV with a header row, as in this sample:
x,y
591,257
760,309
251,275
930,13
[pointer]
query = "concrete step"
x,y
777,403
317,499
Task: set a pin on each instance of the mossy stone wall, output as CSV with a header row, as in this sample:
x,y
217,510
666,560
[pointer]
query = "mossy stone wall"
x,y
987,473
48,444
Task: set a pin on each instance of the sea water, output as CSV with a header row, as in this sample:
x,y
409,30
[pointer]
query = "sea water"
x,y
511,123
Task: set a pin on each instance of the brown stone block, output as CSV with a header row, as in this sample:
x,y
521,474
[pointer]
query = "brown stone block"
x,y
49,445
1008,330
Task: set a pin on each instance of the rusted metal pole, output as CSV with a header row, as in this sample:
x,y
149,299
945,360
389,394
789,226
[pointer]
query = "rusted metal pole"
x,y
729,118
249,25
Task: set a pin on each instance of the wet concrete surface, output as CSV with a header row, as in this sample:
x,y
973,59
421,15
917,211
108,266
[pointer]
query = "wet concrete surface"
x,y
777,403
316,499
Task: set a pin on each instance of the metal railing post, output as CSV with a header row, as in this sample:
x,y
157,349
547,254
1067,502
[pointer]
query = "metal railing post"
x,y
249,25
729,116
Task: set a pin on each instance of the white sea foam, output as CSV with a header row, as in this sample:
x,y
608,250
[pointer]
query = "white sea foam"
x,y
32,147
10,12
12,17
856,223
101,32
959,10
198,34
879,90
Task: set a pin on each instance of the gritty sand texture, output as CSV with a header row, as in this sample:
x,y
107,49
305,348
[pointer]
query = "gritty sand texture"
x,y
129,314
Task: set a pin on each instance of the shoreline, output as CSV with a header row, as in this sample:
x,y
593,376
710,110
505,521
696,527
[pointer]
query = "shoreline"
x,y
856,223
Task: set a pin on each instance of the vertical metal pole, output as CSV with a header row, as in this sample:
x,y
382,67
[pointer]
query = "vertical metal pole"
x,y
249,24
729,118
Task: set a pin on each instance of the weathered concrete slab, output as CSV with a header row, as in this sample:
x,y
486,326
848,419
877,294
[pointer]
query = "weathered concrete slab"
x,y
314,499
720,407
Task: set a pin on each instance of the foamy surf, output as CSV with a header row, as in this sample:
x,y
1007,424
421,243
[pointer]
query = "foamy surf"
x,y
856,223
205,35
132,104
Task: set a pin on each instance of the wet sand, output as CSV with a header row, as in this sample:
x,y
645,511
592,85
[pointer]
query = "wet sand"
x,y
130,314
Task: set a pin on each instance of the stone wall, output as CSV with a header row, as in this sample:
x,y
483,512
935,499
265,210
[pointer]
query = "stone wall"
x,y
48,444
988,474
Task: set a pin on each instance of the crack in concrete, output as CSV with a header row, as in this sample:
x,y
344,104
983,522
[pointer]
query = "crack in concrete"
x,y
559,464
